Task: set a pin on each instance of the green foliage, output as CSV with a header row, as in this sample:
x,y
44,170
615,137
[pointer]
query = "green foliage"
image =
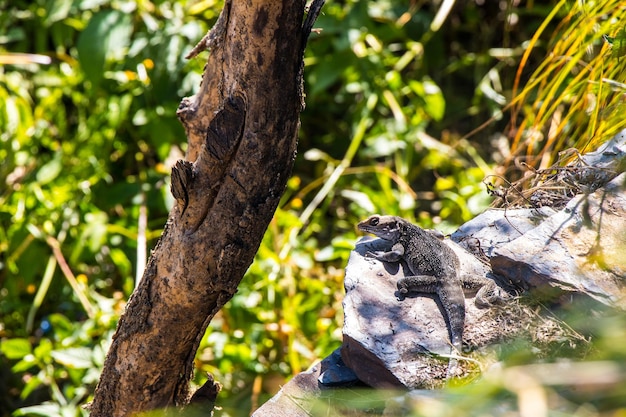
x,y
88,134
67,360
83,144
574,98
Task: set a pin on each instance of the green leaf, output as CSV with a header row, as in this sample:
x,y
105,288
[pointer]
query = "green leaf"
x,y
50,171
106,36
119,258
435,103
57,10
44,409
618,44
326,73
62,326
361,199
15,348
31,385
77,358
25,364
43,350
96,229
90,4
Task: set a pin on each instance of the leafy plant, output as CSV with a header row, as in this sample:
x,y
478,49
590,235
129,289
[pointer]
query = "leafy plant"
x,y
64,359
88,120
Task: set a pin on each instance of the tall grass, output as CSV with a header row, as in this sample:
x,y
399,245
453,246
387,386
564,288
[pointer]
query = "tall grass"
x,y
575,98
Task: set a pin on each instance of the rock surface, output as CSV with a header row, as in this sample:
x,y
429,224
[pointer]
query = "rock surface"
x,y
580,249
601,166
494,228
297,398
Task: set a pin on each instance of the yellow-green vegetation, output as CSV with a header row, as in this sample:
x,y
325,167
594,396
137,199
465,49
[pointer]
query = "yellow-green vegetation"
x,y
88,133
575,96
573,100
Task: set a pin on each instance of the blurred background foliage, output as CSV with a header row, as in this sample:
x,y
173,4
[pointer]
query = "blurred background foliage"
x,y
395,92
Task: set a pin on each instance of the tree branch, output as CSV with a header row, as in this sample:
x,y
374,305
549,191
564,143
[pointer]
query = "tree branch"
x,y
242,132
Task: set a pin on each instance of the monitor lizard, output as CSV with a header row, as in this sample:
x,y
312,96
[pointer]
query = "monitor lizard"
x,y
435,269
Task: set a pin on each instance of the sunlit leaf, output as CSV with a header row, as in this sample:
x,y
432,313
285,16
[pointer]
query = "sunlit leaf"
x,y
359,198
43,350
435,103
15,348
27,364
90,4
106,36
57,10
44,409
50,171
78,357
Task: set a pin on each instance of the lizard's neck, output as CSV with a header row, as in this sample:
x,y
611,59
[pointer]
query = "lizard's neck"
x,y
407,231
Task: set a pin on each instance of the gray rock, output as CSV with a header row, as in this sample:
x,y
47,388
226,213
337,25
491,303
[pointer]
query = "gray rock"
x,y
600,166
335,373
298,397
580,249
497,227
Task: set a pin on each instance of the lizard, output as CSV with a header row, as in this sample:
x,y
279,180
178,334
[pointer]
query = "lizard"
x,y
434,267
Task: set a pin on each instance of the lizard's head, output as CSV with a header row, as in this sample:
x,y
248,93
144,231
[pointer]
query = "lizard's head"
x,y
385,227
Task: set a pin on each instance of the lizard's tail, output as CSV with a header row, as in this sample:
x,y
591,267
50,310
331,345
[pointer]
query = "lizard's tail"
x,y
453,302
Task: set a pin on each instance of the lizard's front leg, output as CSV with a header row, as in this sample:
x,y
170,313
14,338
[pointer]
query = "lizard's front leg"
x,y
394,255
418,283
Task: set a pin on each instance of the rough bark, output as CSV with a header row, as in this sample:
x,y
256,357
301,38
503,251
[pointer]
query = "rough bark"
x,y
242,132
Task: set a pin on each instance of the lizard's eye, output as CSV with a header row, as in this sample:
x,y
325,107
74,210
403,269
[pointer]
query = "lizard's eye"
x,y
374,221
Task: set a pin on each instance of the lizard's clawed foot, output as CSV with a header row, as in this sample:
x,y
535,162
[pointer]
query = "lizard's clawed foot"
x,y
490,295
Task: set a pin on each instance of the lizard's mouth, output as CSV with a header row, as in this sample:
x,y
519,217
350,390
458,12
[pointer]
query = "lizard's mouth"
x,y
363,227
380,236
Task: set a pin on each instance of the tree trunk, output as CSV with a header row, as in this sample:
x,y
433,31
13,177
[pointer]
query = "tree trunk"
x,y
242,132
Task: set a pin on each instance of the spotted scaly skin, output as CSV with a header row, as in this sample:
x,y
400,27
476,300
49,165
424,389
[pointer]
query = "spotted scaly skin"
x,y
433,265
